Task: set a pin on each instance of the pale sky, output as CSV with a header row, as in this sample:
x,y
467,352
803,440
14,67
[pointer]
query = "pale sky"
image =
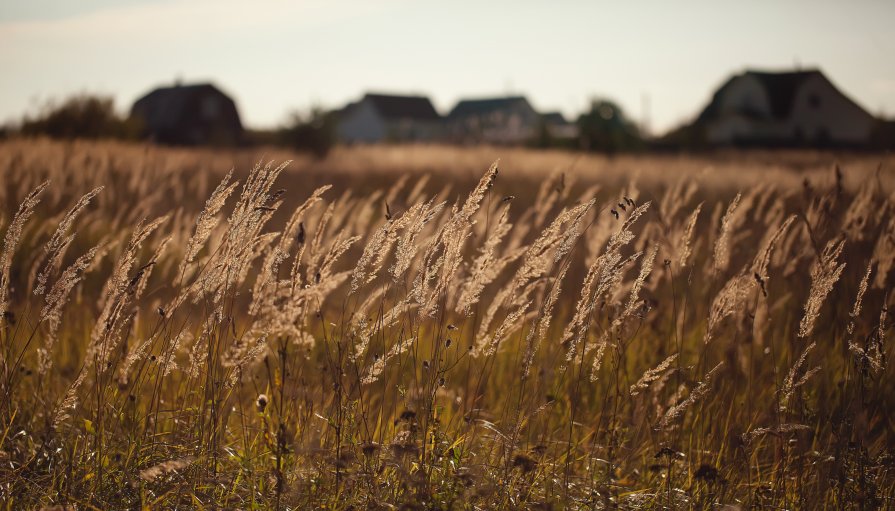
x,y
659,60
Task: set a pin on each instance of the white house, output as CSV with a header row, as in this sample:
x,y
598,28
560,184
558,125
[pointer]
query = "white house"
x,y
784,108
387,118
507,120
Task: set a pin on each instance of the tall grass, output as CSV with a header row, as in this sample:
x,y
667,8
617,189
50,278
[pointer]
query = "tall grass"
x,y
284,345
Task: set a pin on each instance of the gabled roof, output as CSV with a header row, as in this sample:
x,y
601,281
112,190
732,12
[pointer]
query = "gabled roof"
x,y
164,106
780,87
483,106
402,107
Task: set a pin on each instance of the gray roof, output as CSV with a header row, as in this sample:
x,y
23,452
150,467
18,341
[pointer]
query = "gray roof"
x,y
483,106
402,107
556,118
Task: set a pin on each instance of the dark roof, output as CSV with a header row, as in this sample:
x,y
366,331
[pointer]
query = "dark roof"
x,y
554,118
483,106
781,88
164,106
403,107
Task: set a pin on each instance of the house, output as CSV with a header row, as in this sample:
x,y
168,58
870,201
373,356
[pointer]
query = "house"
x,y
883,136
792,108
558,127
387,118
198,114
505,120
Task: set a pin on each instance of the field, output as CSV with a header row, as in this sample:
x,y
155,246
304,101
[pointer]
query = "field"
x,y
437,330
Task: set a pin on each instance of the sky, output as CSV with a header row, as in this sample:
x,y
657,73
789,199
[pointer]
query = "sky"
x,y
659,60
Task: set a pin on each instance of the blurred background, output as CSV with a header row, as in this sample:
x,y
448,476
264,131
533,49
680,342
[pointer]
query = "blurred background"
x,y
575,76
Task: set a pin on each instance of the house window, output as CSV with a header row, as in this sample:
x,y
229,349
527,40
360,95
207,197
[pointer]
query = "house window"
x,y
814,101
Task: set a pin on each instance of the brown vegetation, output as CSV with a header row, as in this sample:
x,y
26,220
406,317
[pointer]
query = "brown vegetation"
x,y
558,331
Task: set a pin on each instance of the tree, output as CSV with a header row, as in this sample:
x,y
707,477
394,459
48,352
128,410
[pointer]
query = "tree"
x,y
313,131
605,128
80,116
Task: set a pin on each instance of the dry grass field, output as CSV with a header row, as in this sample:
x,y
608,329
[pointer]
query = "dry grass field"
x,y
438,331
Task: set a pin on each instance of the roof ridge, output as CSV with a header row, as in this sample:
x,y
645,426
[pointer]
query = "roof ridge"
x,y
493,98
389,95
798,71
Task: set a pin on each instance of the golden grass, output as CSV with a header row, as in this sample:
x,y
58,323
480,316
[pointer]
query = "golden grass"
x,y
556,331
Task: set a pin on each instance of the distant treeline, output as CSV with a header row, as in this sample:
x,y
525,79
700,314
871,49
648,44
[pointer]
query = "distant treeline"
x,y
94,117
81,116
604,128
